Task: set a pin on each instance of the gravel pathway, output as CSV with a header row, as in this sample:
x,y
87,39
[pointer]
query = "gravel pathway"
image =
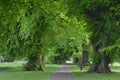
x,y
62,73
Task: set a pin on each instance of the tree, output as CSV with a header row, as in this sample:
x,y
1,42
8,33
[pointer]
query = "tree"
x,y
102,22
23,35
100,17
36,22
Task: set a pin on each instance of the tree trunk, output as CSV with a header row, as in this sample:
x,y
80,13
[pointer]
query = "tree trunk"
x,y
35,60
34,63
84,61
101,66
85,57
101,61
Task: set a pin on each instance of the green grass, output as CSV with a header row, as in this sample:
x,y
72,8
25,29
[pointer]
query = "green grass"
x,y
15,71
83,75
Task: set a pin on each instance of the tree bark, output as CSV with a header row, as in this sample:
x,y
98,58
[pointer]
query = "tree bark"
x,y
35,60
101,65
100,62
84,60
85,57
34,63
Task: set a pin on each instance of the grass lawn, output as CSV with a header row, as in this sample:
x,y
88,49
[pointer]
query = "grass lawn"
x,y
14,71
82,75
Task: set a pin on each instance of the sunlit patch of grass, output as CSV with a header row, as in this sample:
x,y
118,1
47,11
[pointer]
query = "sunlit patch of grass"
x,y
115,67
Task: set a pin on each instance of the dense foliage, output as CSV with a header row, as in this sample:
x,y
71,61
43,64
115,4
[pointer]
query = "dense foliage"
x,y
102,20
58,29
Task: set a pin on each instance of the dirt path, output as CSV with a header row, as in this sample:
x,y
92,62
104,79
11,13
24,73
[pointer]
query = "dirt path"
x,y
62,73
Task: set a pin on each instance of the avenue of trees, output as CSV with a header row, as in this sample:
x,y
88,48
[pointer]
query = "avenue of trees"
x,y
56,30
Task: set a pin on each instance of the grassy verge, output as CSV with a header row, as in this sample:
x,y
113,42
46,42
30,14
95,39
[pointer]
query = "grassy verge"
x,y
14,71
83,75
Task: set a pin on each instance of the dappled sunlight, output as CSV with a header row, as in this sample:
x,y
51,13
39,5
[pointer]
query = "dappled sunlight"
x,y
11,67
